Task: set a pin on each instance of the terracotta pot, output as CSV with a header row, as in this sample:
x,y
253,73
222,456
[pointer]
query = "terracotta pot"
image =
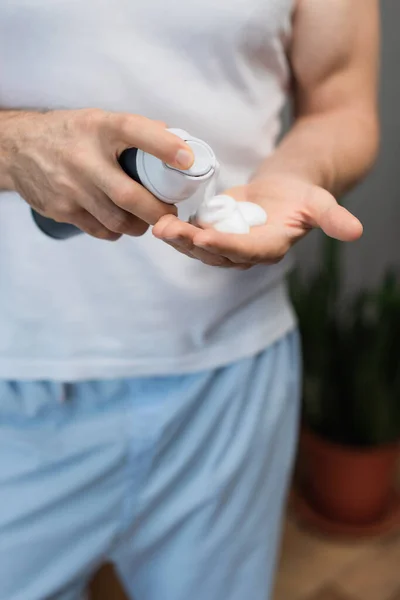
x,y
345,484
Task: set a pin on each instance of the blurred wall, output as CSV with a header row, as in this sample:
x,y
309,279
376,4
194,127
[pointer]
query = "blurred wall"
x,y
376,202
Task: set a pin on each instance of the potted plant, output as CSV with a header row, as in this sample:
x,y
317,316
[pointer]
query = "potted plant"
x,y
349,444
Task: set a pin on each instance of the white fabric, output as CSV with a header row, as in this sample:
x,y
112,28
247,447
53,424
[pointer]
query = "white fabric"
x,y
84,308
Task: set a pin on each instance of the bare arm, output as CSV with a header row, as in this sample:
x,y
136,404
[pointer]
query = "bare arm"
x,y
334,57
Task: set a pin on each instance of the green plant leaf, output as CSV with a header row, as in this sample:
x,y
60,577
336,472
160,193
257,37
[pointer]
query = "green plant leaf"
x,y
351,355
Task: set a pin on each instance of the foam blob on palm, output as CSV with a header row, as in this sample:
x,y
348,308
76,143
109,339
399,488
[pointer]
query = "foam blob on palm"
x,y
225,214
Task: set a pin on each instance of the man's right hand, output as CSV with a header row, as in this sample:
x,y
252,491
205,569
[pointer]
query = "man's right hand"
x,y
64,163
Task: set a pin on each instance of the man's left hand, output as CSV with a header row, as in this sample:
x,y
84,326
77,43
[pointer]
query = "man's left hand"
x,y
293,206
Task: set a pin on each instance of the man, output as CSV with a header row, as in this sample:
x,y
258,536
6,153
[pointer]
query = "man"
x,y
149,387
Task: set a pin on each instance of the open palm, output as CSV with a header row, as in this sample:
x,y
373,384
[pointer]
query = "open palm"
x,y
293,206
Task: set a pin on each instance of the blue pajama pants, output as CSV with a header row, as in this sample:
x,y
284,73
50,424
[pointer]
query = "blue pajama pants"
x,y
180,481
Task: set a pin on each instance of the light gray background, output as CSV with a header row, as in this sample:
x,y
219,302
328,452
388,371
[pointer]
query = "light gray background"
x,y
376,202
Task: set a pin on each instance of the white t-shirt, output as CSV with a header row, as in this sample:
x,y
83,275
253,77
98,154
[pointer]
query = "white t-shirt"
x,y
84,308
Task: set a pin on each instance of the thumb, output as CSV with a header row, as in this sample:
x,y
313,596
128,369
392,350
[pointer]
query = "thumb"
x,y
335,220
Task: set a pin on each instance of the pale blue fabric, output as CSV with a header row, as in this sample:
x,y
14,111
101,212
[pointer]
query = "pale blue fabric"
x,y
180,480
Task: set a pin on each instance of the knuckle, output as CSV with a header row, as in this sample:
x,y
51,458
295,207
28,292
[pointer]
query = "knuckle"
x,y
121,122
127,123
127,224
120,223
66,210
68,192
78,155
89,119
126,198
63,184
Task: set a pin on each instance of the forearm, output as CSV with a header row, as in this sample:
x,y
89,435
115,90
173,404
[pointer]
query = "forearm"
x,y
334,57
333,150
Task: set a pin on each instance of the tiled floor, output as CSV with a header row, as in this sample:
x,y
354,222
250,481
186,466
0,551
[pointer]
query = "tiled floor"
x,y
313,568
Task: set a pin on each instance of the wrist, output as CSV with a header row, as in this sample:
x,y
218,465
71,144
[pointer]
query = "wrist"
x,y
288,175
311,172
12,126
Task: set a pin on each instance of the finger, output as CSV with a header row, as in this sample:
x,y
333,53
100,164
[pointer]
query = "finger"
x,y
268,247
334,220
150,136
170,227
201,255
180,235
89,224
161,225
212,260
340,224
112,216
180,249
127,194
237,249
